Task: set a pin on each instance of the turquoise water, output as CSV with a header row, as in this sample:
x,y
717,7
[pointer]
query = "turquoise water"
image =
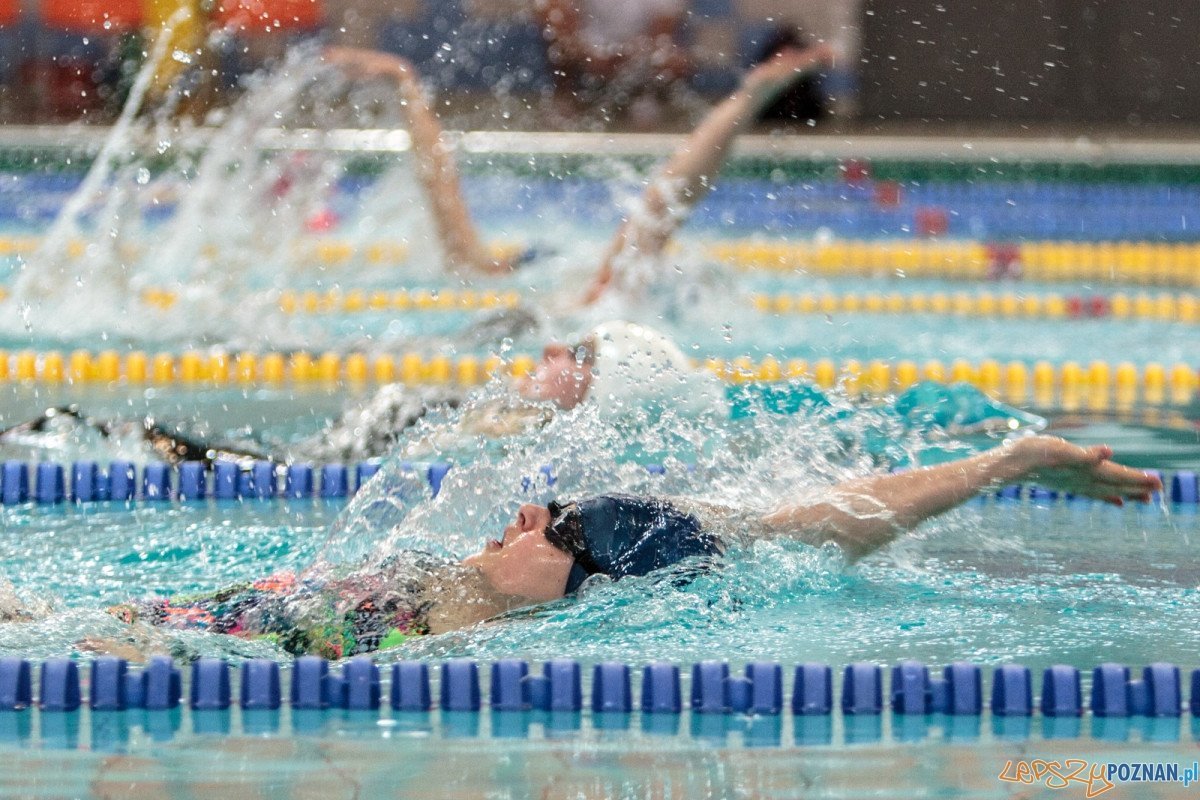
x,y
702,304
339,756
995,582
992,583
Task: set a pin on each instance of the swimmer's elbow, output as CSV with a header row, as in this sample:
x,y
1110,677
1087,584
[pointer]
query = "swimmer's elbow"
x,y
857,534
859,541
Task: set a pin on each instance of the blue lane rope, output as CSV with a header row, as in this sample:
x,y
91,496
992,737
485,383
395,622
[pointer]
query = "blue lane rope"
x,y
82,482
713,693
912,688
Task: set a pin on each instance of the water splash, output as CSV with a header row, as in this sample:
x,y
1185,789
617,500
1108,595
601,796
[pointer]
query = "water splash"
x,y
227,221
48,272
748,463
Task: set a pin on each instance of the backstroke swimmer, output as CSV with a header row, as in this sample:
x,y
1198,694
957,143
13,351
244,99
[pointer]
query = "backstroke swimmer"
x,y
616,364
681,182
550,552
372,429
619,366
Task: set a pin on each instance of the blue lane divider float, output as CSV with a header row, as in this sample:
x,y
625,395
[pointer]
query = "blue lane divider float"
x,y
87,481
263,480
1012,691
113,685
720,700
260,685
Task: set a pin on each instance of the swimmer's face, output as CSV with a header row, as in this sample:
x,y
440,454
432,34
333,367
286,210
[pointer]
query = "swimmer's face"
x,y
522,562
560,377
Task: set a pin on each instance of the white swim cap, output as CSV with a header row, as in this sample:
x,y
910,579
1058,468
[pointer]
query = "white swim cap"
x,y
635,366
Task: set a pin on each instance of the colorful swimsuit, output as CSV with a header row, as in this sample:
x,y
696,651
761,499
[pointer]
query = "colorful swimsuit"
x,y
303,615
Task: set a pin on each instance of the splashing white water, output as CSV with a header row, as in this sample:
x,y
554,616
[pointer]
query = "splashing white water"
x,y
243,204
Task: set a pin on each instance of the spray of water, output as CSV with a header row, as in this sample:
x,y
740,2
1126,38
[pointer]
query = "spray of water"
x,y
752,464
243,198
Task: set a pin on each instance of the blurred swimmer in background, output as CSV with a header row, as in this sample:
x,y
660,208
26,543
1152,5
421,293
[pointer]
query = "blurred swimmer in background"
x,y
372,428
679,184
620,366
626,370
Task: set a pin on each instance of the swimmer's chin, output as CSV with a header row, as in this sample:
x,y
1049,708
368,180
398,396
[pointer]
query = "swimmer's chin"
x,y
535,609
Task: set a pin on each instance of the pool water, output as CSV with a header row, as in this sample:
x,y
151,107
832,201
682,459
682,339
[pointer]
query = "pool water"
x,y
1031,582
340,756
998,582
343,756
1037,583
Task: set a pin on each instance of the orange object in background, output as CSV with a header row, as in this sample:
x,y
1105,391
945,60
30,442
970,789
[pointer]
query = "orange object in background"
x,y
92,16
931,222
261,16
9,11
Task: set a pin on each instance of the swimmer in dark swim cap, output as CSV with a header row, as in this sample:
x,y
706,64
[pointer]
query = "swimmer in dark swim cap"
x,y
549,552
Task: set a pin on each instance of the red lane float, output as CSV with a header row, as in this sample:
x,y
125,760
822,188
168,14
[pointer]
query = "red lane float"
x,y
91,16
266,16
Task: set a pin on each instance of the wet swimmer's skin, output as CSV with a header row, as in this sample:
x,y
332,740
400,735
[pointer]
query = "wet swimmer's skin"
x,y
549,552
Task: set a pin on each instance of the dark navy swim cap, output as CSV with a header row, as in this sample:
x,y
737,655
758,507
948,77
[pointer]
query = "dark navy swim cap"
x,y
619,535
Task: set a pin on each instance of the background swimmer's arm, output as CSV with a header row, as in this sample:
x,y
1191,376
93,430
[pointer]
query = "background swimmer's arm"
x,y
866,514
494,419
502,418
691,172
435,167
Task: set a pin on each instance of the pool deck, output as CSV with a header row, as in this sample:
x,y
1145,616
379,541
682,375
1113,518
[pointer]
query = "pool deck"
x,y
1003,145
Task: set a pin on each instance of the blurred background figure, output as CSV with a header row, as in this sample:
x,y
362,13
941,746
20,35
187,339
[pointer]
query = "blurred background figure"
x,y
627,64
616,57
807,101
76,59
631,63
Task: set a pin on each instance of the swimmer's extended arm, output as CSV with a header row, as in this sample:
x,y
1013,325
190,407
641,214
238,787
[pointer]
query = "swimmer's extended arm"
x,y
866,514
691,172
436,170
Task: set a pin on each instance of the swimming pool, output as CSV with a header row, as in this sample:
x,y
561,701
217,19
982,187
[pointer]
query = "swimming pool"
x,y
1038,582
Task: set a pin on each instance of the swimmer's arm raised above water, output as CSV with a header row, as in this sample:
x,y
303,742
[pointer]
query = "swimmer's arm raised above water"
x,y
692,170
865,514
436,169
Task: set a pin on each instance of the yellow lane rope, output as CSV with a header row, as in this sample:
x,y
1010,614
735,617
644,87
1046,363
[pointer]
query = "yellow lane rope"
x,y
1098,385
1111,262
1161,306
1138,263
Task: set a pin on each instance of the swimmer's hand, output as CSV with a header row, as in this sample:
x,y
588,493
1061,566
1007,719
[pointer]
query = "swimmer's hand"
x,y
768,79
1057,464
365,64
864,514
